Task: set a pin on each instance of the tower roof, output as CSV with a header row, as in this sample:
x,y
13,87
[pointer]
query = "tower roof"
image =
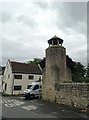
x,y
55,39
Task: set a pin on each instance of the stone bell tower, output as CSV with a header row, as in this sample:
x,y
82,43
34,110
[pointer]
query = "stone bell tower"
x,y
56,71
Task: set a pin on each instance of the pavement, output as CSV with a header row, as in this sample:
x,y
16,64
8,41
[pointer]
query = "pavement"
x,y
17,107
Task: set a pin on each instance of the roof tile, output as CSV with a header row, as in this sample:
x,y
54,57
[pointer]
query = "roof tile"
x,y
25,68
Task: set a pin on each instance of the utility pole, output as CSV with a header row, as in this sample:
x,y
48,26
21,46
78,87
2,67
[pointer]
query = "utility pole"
x,y
40,90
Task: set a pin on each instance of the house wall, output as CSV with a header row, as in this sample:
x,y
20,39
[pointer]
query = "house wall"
x,y
11,82
8,80
24,82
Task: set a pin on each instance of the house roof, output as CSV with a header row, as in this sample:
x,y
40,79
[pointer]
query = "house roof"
x,y
25,68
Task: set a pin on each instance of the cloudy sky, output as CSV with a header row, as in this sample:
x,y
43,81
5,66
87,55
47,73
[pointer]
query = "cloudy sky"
x,y
26,27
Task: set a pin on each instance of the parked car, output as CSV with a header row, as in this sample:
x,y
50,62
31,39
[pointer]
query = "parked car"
x,y
33,91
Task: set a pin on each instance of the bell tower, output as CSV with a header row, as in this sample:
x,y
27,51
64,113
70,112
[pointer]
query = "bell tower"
x,y
56,71
55,41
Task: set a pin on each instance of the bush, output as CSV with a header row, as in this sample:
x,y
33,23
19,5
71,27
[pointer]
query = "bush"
x,y
86,79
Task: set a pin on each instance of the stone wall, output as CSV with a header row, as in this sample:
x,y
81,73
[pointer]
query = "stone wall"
x,y
73,94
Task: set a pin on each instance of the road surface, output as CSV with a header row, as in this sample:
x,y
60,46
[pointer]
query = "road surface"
x,y
17,107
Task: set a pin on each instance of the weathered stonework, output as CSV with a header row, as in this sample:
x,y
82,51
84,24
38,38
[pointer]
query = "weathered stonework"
x,y
57,83
55,71
56,62
73,94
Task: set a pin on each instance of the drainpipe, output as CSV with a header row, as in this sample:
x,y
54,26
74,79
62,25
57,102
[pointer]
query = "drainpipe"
x,y
12,84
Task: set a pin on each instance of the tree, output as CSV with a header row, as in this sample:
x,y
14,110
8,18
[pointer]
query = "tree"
x,y
87,73
78,70
70,64
42,63
86,79
35,61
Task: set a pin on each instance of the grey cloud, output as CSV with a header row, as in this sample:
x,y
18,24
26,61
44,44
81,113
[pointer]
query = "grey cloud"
x,y
43,5
71,14
5,17
66,15
18,51
80,56
88,31
28,21
77,10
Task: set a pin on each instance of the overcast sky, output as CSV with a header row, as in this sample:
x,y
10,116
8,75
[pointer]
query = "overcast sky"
x,y
26,27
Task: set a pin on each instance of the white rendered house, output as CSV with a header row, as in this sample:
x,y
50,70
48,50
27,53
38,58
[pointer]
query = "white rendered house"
x,y
1,76
0,84
18,76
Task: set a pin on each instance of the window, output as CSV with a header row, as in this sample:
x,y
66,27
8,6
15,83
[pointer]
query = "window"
x,y
30,77
17,76
36,87
29,86
19,87
5,86
55,42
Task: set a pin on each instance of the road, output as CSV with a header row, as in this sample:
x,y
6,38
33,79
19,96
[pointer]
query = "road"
x,y
17,107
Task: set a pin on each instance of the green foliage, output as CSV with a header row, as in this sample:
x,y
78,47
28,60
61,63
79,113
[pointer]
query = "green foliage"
x,y
87,73
70,64
77,77
81,73
86,79
35,61
78,70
